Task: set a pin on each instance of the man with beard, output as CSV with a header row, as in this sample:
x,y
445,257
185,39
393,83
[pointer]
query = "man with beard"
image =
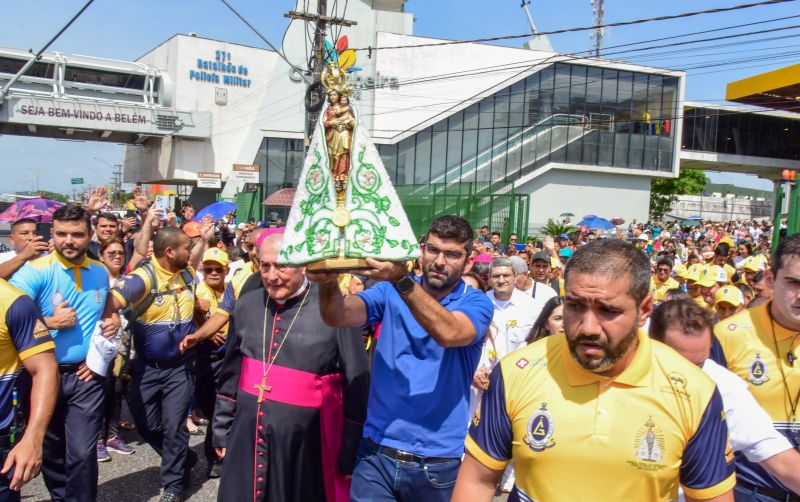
x,y
70,290
602,394
432,330
161,295
293,393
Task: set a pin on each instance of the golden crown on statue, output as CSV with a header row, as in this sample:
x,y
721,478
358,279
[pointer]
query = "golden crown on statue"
x,y
334,78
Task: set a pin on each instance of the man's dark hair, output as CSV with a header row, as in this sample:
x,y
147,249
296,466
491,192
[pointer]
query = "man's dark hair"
x,y
73,212
789,246
452,227
686,314
664,261
745,289
678,294
166,237
496,233
22,221
722,249
108,216
484,227
760,275
613,258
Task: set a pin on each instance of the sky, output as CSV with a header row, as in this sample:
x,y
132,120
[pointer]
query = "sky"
x,y
126,30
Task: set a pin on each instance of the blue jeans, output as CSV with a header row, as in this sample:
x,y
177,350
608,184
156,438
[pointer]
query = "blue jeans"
x,y
742,494
379,477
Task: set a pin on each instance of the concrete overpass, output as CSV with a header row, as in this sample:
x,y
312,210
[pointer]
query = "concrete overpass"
x,y
83,98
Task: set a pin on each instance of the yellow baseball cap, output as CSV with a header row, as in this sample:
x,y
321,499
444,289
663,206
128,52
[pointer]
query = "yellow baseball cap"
x,y
753,264
727,240
216,255
729,294
680,271
694,272
712,274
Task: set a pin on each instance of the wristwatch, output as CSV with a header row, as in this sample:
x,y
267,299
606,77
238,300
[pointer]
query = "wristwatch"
x,y
405,285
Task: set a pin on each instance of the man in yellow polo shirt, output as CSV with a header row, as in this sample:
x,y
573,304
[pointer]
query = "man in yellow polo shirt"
x,y
661,282
210,353
761,346
602,412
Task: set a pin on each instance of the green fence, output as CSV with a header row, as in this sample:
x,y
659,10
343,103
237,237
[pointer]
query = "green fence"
x,y
248,205
492,204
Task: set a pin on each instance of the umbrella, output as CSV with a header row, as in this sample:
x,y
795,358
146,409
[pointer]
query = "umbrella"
x,y
216,210
690,223
586,220
618,221
40,210
283,197
566,215
600,224
590,217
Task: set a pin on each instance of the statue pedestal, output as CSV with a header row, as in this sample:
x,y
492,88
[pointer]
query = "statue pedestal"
x,y
338,263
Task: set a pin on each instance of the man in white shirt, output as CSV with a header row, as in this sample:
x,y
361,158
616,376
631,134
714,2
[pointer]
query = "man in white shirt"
x,y
687,328
26,245
514,315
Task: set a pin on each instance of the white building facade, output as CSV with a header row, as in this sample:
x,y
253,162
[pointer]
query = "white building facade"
x,y
457,125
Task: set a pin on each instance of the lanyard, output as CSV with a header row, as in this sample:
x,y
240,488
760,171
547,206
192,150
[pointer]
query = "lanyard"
x,y
792,403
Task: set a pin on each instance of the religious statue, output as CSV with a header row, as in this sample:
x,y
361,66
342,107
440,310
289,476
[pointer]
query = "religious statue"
x,y
345,208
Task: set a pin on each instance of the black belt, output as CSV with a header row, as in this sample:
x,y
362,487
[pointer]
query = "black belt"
x,y
405,456
163,365
769,492
69,368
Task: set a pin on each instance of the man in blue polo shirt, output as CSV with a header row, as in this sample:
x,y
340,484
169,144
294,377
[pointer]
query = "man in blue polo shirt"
x,y
431,336
70,291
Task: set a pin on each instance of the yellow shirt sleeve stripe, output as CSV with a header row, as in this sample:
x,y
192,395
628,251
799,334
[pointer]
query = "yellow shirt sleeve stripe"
x,y
711,491
483,457
36,349
119,297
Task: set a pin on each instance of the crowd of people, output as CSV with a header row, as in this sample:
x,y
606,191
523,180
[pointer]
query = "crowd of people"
x,y
630,365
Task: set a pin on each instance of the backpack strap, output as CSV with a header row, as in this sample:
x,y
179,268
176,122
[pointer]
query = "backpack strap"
x,y
140,307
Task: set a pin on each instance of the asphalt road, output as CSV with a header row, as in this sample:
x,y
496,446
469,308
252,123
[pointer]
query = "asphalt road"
x,y
135,478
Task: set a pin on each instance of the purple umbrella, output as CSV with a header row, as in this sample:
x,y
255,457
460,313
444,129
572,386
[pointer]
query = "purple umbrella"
x,y
40,210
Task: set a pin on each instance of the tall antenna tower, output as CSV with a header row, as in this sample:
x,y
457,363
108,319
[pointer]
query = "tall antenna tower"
x,y
598,19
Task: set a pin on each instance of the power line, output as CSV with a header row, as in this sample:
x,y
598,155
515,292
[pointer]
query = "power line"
x,y
581,28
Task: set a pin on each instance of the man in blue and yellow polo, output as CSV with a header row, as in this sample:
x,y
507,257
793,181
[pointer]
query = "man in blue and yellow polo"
x,y
161,295
602,412
761,346
70,291
24,342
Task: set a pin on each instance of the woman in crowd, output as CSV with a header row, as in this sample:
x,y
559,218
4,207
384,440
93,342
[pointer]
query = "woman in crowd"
x,y
550,321
112,254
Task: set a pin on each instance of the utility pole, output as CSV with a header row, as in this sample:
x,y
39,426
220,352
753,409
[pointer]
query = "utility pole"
x,y
321,22
117,183
35,178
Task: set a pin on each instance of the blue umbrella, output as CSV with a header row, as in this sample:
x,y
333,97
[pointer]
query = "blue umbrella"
x,y
587,220
216,210
600,224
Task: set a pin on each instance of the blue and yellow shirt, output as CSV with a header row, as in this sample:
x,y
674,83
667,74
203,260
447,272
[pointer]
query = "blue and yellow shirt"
x,y
22,335
234,287
51,280
158,331
574,434
748,340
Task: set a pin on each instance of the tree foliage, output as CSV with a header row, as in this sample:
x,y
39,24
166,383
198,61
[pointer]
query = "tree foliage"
x,y
665,191
54,196
554,228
